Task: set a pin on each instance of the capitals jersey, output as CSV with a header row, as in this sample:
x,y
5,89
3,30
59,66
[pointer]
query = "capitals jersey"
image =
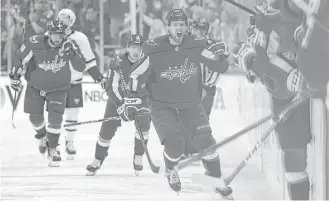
x,y
273,41
51,69
118,78
173,75
81,40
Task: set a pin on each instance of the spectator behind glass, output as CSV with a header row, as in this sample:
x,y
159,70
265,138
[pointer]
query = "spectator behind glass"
x,y
91,27
118,10
39,14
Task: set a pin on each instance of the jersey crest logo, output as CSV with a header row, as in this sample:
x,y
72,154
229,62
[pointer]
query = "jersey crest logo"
x,y
183,72
54,65
33,39
199,38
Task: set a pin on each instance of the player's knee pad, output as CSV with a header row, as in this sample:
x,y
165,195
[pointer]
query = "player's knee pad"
x,y
109,129
295,160
146,135
72,114
37,120
144,122
174,146
203,141
54,122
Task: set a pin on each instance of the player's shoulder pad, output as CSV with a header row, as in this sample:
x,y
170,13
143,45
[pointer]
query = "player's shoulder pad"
x,y
156,45
79,37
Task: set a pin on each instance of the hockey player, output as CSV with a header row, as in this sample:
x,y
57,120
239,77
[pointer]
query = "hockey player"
x,y
48,79
170,68
273,60
116,87
200,27
74,95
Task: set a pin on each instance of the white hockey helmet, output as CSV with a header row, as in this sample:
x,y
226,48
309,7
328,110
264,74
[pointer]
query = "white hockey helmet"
x,y
69,14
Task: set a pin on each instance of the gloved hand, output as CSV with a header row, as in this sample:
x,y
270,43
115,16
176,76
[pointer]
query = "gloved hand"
x,y
216,50
15,81
102,82
132,107
71,48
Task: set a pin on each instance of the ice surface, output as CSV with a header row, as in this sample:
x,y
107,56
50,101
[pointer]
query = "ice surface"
x,y
26,176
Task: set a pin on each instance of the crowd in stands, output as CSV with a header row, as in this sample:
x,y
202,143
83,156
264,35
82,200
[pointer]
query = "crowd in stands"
x,y
31,16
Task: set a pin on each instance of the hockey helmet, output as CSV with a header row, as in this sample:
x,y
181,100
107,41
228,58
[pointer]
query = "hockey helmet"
x,y
201,23
56,27
67,13
176,15
135,39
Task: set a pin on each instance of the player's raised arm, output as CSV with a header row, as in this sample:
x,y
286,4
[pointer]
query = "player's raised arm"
x,y
140,71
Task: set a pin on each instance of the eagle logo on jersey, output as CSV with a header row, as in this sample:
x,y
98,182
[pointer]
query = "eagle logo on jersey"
x,y
151,42
33,39
54,65
183,72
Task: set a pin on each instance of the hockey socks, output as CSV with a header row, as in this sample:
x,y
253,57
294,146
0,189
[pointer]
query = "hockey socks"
x,y
139,149
53,139
41,132
70,131
101,152
299,190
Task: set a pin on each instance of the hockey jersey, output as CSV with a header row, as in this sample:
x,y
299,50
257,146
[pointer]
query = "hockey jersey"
x,y
51,68
118,78
83,44
273,41
173,75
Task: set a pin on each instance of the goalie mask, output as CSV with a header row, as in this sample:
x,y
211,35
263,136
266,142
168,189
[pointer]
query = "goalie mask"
x,y
56,32
177,22
200,27
134,46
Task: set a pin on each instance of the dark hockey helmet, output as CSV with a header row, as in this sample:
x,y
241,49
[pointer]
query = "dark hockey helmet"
x,y
135,39
201,23
56,27
176,15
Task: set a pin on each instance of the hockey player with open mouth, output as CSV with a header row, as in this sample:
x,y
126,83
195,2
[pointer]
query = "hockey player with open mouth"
x,y
47,60
170,68
116,87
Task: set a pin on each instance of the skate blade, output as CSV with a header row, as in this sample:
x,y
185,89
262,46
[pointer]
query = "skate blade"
x,y
54,164
89,173
137,172
70,156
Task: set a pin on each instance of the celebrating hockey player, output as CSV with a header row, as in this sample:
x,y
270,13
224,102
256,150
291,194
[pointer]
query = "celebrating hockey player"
x,y
273,60
200,28
170,68
48,59
116,87
74,95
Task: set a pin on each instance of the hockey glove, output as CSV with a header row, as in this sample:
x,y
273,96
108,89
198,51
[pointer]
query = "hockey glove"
x,y
71,48
15,81
216,50
132,107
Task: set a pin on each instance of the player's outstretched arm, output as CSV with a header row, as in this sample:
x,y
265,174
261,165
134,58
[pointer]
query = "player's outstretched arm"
x,y
112,87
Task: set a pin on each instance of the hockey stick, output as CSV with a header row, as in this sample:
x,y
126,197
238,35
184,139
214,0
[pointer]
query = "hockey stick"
x,y
14,108
268,132
248,10
154,168
92,121
230,138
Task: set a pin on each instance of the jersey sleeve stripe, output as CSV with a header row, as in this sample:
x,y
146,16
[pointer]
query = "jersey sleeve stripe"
x,y
27,58
90,64
138,71
116,85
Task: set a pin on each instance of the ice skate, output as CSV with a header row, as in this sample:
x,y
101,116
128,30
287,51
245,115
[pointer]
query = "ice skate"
x,y
225,193
70,150
53,157
173,180
94,167
138,164
43,143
